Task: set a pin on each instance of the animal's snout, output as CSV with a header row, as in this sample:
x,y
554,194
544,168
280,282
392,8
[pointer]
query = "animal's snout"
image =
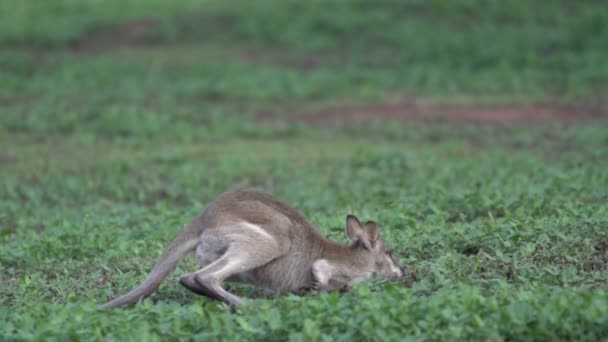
x,y
398,273
401,271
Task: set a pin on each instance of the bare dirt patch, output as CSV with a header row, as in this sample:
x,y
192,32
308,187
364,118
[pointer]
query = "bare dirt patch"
x,y
451,113
125,35
149,32
288,59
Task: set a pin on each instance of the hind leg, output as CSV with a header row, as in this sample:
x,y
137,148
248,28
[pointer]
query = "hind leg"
x,y
246,250
208,251
206,288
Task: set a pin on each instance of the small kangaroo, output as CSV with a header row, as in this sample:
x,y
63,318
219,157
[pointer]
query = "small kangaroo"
x,y
251,237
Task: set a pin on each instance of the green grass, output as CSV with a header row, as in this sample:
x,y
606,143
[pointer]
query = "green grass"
x,y
113,141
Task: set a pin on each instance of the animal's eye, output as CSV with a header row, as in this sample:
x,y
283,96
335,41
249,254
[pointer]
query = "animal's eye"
x,y
389,253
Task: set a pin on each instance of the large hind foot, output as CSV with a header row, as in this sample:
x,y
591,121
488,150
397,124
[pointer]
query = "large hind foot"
x,y
190,283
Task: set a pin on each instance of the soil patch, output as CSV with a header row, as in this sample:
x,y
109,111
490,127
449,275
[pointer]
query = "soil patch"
x,y
128,34
292,60
451,113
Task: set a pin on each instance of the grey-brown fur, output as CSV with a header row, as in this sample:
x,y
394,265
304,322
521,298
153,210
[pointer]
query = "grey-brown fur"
x,y
251,237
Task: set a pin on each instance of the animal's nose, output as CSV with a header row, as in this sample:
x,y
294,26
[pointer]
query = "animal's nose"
x,y
402,269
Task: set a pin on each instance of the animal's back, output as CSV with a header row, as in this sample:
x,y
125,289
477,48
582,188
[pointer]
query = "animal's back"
x,y
259,209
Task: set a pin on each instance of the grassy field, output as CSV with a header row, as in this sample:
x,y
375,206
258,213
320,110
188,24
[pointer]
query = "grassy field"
x,y
120,121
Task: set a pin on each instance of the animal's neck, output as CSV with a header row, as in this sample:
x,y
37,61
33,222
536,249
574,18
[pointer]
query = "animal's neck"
x,y
344,257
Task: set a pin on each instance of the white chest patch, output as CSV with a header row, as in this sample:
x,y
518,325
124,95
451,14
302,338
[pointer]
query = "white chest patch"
x,y
322,271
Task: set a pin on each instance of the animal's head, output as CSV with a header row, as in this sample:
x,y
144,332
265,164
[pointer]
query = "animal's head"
x,y
366,238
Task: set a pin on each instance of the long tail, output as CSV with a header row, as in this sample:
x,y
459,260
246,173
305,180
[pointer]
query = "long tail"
x,y
185,242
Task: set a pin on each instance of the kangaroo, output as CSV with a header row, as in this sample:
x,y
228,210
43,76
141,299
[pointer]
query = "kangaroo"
x,y
251,237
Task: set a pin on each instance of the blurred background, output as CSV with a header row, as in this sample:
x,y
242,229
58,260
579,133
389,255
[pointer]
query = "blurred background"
x,y
193,69
473,131
137,89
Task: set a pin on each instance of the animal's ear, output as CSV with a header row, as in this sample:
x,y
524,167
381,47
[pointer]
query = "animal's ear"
x,y
354,230
371,230
356,233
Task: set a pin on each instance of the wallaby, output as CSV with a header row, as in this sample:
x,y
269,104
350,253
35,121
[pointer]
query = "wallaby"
x,y
252,237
